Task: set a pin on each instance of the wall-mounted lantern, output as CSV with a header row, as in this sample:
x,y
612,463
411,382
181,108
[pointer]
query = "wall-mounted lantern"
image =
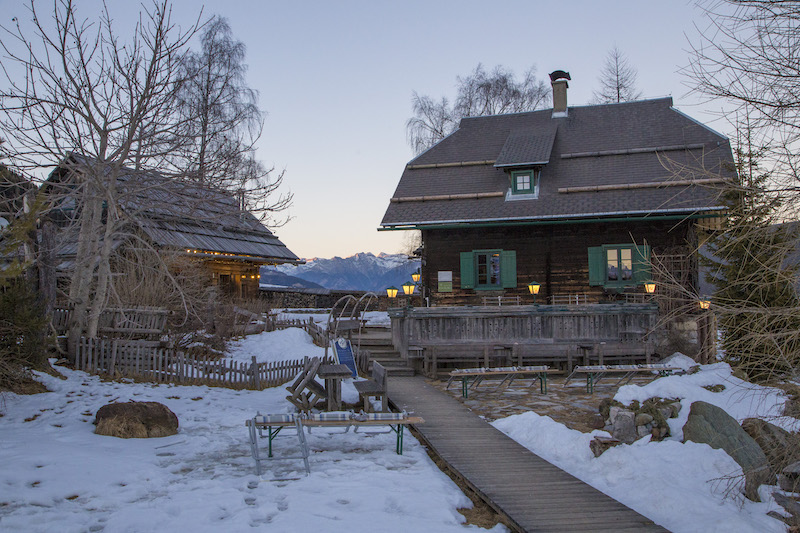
x,y
650,287
533,288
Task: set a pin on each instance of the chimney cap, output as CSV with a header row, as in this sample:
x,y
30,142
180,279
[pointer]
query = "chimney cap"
x,y
559,74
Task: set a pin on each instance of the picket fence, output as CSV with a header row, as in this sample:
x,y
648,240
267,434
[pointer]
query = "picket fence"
x,y
149,361
318,334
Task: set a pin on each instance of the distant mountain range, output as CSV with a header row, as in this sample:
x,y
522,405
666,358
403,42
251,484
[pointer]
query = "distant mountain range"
x,y
359,272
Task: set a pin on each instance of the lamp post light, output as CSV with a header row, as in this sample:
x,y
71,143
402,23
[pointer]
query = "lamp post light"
x,y
416,276
408,288
391,292
533,288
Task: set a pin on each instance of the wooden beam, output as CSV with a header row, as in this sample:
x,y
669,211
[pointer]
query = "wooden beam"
x,y
454,164
466,196
643,185
628,151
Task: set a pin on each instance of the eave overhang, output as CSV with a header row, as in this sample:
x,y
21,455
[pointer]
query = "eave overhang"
x,y
583,218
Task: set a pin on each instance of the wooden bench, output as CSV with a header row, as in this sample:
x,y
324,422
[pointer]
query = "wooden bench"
x,y
508,375
273,424
476,353
374,387
595,373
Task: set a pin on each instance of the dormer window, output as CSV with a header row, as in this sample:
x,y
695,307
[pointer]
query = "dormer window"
x,y
525,183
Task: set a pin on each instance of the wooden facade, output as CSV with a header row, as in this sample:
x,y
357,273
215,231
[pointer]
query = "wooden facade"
x,y
554,255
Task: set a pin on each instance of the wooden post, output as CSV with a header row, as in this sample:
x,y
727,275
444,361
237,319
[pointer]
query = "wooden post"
x,y
254,370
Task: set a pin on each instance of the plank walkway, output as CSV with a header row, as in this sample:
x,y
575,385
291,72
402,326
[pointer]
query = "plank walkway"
x,y
533,494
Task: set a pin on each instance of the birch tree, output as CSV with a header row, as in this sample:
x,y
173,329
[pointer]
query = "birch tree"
x,y
222,122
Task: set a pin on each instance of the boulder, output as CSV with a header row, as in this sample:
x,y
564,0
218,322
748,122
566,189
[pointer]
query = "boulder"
x,y
711,425
781,447
136,420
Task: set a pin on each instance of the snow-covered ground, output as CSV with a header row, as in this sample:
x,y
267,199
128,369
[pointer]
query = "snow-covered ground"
x,y
685,487
57,475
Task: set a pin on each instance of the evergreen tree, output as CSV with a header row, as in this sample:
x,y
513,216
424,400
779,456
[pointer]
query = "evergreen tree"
x,y
753,266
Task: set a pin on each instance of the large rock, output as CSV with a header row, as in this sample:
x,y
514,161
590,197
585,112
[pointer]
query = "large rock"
x,y
136,420
711,425
781,447
624,426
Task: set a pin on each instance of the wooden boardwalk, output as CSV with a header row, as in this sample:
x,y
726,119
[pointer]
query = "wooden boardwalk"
x,y
531,493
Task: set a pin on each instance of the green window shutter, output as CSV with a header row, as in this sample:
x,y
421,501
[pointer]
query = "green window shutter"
x,y
597,266
467,271
508,269
642,270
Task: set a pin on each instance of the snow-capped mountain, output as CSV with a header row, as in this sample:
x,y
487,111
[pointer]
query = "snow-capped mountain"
x,y
361,272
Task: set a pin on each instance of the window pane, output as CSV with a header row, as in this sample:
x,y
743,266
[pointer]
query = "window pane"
x,y
612,269
524,182
495,279
626,263
482,269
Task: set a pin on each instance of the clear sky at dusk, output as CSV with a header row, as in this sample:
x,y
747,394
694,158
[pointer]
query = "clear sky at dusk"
x,y
336,79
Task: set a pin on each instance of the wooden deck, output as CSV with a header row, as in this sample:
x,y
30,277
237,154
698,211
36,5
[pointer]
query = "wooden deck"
x,y
531,493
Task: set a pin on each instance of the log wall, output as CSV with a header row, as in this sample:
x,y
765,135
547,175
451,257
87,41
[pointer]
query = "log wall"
x,y
554,255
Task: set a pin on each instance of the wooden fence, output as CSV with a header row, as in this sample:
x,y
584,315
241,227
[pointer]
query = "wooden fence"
x,y
146,360
318,334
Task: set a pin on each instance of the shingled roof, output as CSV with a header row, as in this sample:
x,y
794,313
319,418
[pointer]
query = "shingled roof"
x,y
626,159
183,215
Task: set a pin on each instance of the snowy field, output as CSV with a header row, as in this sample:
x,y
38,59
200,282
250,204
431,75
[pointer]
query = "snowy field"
x,y
59,476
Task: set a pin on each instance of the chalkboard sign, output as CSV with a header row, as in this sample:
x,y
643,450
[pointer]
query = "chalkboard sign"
x,y
343,353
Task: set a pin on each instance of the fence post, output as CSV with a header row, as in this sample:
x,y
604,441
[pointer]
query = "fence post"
x,y
254,373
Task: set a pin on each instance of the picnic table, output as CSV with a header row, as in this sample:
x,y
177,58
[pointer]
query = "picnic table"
x,y
508,375
594,373
333,376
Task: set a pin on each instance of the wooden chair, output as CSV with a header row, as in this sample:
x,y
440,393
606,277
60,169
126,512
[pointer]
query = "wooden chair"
x,y
305,391
374,387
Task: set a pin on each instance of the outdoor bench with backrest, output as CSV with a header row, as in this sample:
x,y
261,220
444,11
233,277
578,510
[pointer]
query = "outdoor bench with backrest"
x,y
273,424
434,353
506,374
374,387
595,373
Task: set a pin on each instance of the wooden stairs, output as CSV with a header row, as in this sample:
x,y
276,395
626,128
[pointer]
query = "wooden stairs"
x,y
377,340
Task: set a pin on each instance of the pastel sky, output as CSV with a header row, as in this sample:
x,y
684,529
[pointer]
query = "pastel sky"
x,y
336,79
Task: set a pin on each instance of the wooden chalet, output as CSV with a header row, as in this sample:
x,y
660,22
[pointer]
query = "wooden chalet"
x,y
581,200
188,219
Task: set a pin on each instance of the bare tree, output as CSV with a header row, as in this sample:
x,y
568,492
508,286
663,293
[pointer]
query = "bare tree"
x,y
74,86
746,58
617,80
479,94
222,123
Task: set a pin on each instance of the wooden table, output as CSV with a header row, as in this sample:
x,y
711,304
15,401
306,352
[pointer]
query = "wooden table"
x,y
333,376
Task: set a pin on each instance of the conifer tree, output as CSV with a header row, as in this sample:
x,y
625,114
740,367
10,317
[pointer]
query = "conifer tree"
x,y
753,267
